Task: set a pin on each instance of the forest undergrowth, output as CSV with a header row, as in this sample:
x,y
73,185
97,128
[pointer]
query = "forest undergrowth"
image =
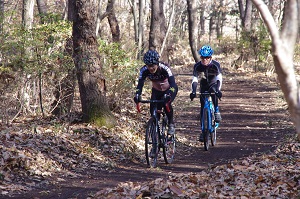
x,y
35,149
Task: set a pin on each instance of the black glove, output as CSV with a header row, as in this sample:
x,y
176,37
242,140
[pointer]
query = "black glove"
x,y
167,98
192,96
137,98
170,92
219,94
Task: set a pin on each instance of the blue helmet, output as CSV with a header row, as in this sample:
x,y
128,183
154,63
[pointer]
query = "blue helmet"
x,y
206,51
151,57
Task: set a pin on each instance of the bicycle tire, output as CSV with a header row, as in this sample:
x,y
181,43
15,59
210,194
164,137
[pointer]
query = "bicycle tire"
x,y
206,131
169,143
151,143
213,135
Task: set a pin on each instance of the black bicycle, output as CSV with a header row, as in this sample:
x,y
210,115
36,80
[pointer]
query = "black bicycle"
x,y
208,124
156,137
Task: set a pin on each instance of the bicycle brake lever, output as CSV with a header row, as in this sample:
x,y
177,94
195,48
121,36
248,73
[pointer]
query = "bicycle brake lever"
x,y
167,107
138,107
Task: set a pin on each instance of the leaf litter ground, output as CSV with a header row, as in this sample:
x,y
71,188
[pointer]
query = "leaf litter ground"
x,y
255,156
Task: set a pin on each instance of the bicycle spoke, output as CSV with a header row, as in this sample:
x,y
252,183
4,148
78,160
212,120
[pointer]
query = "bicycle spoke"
x,y
151,144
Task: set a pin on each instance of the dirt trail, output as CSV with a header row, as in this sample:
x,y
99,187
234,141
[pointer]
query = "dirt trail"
x,y
252,123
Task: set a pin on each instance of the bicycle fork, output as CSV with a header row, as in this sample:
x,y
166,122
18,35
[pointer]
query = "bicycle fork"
x,y
209,107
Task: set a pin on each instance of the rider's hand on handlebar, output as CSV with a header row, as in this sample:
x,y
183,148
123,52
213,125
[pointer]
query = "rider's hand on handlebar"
x,y
167,98
219,94
192,96
137,98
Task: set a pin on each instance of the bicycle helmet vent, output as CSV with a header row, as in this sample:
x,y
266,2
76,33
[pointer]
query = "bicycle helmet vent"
x,y
206,51
151,57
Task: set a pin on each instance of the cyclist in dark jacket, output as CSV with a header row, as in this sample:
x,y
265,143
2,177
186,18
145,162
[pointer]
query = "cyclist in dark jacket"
x,y
163,82
211,80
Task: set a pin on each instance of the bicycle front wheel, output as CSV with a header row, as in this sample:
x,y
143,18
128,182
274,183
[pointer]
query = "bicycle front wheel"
x,y
169,144
206,131
213,135
151,143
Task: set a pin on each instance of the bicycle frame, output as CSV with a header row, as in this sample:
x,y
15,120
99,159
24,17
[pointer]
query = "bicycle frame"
x,y
209,106
155,114
157,138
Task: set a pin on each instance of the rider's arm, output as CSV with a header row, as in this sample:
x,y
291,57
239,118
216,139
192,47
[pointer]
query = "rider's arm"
x,y
195,78
194,84
219,79
172,83
171,78
140,86
142,77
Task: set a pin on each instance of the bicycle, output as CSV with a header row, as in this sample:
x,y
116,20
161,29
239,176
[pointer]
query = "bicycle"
x,y
156,137
208,124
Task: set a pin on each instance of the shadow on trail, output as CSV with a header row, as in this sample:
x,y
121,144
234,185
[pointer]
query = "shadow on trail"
x,y
249,125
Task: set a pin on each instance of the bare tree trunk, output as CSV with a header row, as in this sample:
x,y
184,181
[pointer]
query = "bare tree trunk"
x,y
113,22
88,64
141,29
212,22
298,4
135,20
193,28
241,10
157,27
283,44
27,20
98,21
202,20
170,26
1,15
42,9
247,20
27,14
221,14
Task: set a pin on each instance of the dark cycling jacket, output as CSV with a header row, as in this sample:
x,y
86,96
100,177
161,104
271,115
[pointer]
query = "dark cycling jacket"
x,y
162,79
212,73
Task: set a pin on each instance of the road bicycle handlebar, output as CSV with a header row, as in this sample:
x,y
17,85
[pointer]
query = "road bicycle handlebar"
x,y
153,101
209,93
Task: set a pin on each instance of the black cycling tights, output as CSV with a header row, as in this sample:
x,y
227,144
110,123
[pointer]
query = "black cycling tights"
x,y
159,95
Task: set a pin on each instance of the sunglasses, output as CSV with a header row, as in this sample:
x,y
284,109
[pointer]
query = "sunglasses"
x,y
205,57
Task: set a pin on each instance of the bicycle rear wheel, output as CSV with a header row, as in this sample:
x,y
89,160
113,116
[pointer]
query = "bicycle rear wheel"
x,y
151,143
206,131
169,143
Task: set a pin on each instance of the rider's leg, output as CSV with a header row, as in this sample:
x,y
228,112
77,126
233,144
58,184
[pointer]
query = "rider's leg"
x,y
170,115
171,126
215,100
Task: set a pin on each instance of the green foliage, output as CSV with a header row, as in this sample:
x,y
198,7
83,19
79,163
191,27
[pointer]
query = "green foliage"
x,y
37,49
256,44
113,54
227,45
264,47
32,56
100,116
120,72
